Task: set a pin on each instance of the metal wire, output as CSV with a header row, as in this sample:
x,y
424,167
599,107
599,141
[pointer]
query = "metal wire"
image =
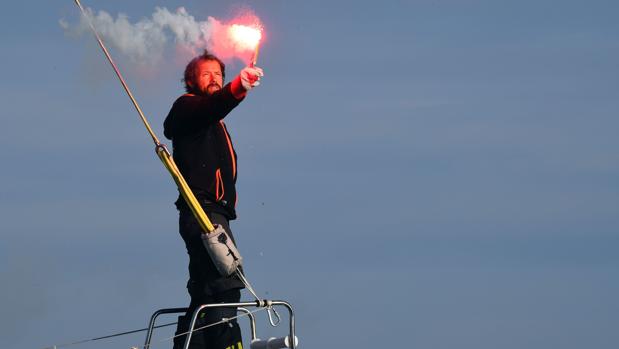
x,y
117,71
69,344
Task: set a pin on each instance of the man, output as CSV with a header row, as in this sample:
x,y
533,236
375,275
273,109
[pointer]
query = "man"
x,y
205,156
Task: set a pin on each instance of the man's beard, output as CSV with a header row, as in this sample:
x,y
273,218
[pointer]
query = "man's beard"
x,y
212,88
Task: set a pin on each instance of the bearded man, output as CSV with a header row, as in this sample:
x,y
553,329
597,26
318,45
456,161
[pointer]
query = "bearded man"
x,y
205,156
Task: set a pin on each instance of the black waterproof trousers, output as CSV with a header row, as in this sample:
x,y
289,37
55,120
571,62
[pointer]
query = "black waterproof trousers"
x,y
207,286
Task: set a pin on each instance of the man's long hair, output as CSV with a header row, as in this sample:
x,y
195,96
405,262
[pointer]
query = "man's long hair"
x,y
190,70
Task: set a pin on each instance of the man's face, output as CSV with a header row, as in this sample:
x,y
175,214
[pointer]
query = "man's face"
x,y
208,77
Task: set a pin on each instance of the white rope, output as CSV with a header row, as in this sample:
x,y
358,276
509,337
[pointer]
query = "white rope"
x,y
261,303
246,283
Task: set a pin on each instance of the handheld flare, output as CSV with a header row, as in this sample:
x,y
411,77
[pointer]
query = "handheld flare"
x,y
254,59
248,38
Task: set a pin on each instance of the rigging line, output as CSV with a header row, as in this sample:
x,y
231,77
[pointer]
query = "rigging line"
x,y
200,328
244,280
161,150
106,337
64,345
118,74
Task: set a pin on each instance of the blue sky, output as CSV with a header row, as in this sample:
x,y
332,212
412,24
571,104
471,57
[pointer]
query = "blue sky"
x,y
429,174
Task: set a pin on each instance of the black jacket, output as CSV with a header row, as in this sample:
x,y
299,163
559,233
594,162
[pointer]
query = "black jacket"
x,y
203,149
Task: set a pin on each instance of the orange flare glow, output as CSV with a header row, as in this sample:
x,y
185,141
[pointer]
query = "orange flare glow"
x,y
245,37
239,37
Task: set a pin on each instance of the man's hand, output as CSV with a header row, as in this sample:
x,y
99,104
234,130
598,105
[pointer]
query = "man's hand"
x,y
250,77
245,81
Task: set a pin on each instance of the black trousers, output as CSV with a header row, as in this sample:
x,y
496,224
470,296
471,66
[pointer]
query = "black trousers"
x,y
222,336
207,286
